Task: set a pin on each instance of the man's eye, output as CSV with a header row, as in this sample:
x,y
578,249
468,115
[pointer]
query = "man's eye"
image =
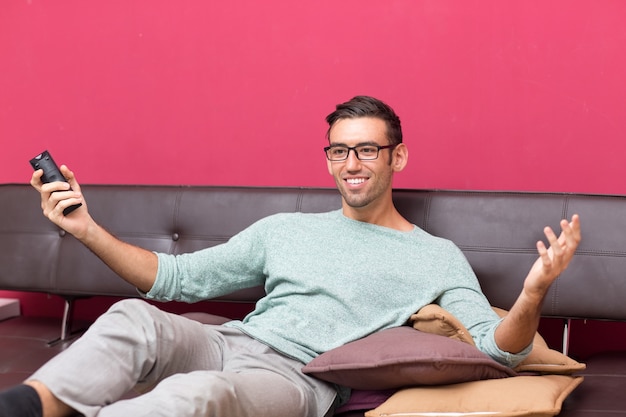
x,y
338,151
368,150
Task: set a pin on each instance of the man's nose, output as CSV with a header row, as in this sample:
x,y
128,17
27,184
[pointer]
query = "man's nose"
x,y
353,162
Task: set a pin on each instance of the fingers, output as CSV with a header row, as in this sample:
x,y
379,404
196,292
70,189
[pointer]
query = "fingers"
x,y
561,250
48,202
570,235
58,205
57,196
574,227
35,181
70,177
548,255
552,239
543,254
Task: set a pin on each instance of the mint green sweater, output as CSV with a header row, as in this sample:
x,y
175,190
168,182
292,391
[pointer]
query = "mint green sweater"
x,y
331,280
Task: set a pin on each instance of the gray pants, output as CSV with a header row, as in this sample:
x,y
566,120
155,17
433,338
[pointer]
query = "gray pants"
x,y
183,368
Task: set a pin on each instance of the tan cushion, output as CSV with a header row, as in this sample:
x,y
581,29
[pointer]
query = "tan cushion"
x,y
538,396
434,319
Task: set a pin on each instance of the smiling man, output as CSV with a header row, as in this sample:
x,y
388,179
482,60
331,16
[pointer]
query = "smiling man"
x,y
359,132
331,278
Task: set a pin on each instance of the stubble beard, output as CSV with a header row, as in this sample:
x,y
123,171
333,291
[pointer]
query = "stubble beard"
x,y
364,197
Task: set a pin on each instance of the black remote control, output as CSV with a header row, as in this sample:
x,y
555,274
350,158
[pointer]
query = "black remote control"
x,y
51,173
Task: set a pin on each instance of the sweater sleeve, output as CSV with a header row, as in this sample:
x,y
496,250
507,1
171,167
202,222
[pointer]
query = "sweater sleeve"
x,y
467,302
212,272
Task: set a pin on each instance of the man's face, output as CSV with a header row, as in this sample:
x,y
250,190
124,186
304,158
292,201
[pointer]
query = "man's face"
x,y
362,183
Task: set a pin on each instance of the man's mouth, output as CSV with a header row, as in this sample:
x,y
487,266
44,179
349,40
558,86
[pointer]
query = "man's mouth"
x,y
355,181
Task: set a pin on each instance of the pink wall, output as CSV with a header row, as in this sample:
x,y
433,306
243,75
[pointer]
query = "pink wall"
x,y
512,95
523,94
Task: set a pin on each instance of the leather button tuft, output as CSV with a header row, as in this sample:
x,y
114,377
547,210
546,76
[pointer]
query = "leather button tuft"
x,y
175,237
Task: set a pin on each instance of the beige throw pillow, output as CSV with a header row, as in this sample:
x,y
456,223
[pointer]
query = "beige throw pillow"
x,y
434,319
537,396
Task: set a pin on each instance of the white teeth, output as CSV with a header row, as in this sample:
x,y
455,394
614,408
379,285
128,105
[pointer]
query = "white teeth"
x,y
355,181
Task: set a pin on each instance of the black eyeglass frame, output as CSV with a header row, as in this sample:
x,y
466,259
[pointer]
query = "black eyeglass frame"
x,y
353,148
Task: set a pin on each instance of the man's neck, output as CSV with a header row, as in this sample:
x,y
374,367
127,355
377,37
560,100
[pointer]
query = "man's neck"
x,y
387,216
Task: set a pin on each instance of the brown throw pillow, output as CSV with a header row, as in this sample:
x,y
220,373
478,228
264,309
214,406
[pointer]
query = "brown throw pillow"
x,y
401,357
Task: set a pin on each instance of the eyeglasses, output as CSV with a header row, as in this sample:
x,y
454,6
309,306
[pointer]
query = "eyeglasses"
x,y
362,152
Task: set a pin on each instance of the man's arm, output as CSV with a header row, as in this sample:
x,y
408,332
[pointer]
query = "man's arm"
x,y
135,265
518,328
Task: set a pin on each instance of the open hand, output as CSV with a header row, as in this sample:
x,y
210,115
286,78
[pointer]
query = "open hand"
x,y
553,260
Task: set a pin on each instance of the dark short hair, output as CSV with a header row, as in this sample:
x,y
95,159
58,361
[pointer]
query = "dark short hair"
x,y
365,106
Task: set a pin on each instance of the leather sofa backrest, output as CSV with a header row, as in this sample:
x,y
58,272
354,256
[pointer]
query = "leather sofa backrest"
x,y
497,231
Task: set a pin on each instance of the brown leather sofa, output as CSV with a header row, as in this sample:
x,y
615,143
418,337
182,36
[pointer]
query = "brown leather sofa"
x,y
496,230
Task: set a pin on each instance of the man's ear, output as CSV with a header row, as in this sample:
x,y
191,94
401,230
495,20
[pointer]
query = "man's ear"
x,y
400,157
